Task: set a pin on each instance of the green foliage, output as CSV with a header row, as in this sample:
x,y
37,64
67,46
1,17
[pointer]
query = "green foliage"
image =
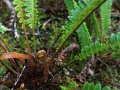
x,y
70,86
27,12
31,12
91,86
112,44
77,17
88,48
83,35
28,15
82,32
86,86
106,17
19,7
83,20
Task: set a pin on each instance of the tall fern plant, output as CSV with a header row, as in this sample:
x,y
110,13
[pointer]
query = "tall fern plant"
x,y
28,16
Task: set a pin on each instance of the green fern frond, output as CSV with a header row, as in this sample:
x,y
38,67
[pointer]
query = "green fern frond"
x,y
28,15
21,15
112,45
19,7
77,17
70,4
83,35
92,86
106,17
32,14
86,86
28,10
82,32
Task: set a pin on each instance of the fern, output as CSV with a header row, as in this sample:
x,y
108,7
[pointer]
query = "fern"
x,y
77,18
82,31
57,32
112,45
92,86
86,86
19,7
32,14
27,16
91,22
105,17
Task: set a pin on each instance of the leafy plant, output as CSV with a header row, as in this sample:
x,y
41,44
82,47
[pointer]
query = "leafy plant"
x,y
82,20
70,86
77,17
92,86
27,16
86,86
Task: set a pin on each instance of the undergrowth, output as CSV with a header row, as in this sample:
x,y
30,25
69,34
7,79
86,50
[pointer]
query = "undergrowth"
x,y
89,22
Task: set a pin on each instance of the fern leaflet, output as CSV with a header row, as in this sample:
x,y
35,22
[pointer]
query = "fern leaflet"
x,y
105,17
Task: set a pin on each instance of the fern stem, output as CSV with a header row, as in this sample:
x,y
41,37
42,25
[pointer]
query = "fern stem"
x,y
25,30
25,34
34,40
27,40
